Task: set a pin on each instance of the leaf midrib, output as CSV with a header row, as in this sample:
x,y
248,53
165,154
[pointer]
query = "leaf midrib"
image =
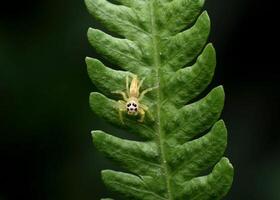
x,y
160,133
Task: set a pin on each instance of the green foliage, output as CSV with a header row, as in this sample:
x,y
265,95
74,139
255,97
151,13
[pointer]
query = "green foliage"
x,y
180,154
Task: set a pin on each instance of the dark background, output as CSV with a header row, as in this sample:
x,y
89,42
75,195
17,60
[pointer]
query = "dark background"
x,y
46,150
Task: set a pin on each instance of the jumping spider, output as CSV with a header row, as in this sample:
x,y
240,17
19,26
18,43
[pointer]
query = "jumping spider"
x,y
131,99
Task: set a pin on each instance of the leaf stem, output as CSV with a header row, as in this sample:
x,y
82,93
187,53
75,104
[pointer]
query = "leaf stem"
x,y
157,63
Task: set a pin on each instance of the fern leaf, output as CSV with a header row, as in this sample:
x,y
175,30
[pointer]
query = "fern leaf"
x,y
180,150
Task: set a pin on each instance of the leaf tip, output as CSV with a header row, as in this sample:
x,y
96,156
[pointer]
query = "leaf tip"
x,y
220,124
88,59
96,133
92,33
217,96
92,94
97,98
204,23
106,174
210,53
98,138
89,62
92,63
90,29
210,47
205,15
227,165
219,91
92,98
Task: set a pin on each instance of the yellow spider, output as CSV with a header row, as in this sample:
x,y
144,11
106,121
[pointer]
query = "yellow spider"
x,y
131,104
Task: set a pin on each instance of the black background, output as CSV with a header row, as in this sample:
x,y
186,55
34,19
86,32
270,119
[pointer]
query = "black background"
x,y
46,150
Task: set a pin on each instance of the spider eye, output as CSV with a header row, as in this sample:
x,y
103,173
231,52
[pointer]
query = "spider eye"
x,y
128,104
134,105
127,109
135,109
131,109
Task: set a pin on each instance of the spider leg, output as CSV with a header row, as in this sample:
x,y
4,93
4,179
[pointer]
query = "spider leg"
x,y
121,109
146,91
127,84
140,84
141,112
121,93
146,109
143,109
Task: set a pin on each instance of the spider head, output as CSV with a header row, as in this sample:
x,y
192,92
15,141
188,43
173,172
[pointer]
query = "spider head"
x,y
132,107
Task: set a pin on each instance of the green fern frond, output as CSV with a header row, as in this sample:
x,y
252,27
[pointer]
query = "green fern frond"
x,y
163,42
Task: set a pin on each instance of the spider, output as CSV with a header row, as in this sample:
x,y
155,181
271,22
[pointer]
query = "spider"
x,y
131,99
